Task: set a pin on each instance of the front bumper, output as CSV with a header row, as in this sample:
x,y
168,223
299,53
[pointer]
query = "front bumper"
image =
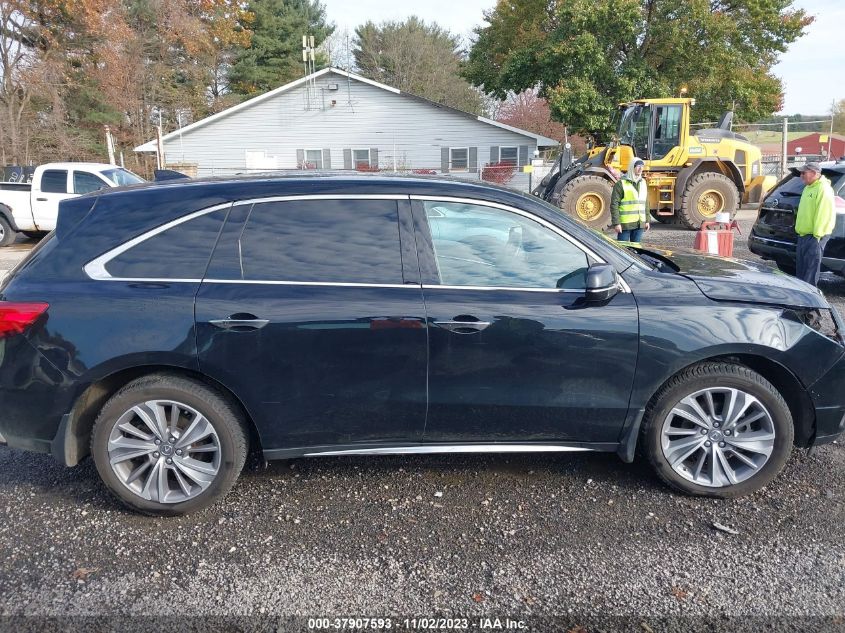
x,y
784,250
828,396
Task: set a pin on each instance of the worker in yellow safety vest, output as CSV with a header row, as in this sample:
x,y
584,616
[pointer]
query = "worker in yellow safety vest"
x,y
629,204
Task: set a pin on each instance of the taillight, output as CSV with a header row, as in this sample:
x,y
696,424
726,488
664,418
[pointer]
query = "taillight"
x,y
16,317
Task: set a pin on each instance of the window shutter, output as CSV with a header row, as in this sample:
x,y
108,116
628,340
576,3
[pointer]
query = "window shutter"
x,y
523,155
300,158
494,154
327,159
347,159
444,160
473,158
374,157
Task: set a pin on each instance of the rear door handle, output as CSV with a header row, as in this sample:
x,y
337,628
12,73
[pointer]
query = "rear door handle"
x,y
463,327
240,323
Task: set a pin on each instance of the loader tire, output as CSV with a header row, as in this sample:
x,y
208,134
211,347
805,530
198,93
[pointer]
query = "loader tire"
x,y
706,195
588,199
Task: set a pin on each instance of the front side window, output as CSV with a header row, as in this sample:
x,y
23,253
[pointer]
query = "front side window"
x,y
330,241
476,245
54,181
458,159
180,252
667,131
84,182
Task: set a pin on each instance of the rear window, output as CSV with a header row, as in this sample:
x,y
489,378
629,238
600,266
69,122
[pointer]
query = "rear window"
x,y
54,181
180,252
329,241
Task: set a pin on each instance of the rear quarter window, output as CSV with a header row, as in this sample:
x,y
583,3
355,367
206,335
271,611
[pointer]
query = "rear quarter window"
x,y
180,252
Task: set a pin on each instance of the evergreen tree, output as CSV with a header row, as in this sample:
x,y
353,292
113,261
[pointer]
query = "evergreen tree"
x,y
274,56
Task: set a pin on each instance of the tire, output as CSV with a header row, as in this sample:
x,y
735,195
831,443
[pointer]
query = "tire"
x,y
786,266
706,195
700,480
7,233
34,235
592,195
222,450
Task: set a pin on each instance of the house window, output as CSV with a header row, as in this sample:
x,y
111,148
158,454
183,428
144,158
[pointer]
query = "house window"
x,y
459,159
361,158
313,159
509,155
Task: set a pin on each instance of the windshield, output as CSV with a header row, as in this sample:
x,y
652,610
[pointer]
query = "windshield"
x,y
633,128
122,176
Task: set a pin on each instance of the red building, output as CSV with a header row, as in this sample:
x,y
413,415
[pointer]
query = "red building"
x,y
816,144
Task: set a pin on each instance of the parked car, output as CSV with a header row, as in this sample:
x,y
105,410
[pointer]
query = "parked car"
x,y
31,207
168,329
773,234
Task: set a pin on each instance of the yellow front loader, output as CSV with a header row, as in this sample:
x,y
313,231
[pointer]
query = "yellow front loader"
x,y
691,176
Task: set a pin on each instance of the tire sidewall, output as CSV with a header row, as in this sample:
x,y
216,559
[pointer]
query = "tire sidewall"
x,y
700,184
231,461
8,233
584,184
777,408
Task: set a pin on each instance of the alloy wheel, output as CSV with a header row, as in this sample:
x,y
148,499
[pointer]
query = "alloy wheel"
x,y
718,437
164,451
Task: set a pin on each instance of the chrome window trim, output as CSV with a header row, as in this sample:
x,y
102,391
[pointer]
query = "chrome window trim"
x,y
96,268
454,448
530,216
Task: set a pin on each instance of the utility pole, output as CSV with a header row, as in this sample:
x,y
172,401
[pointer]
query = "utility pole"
x,y
830,138
110,145
783,147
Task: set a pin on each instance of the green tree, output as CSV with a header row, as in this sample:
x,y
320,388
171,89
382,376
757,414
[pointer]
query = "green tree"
x,y
423,59
274,56
586,56
838,113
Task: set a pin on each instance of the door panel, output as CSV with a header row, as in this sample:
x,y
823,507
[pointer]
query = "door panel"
x,y
548,366
329,347
53,187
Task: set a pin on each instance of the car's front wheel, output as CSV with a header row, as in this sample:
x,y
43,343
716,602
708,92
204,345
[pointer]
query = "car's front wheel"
x,y
167,445
718,430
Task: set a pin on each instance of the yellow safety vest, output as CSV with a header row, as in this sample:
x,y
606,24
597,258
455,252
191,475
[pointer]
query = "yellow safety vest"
x,y
632,207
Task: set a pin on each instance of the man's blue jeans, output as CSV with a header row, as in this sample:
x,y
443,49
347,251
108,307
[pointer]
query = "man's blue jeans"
x,y
631,235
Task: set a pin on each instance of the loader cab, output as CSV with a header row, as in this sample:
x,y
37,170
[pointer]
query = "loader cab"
x,y
656,129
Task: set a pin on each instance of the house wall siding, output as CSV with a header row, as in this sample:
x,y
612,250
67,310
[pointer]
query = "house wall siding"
x,y
407,133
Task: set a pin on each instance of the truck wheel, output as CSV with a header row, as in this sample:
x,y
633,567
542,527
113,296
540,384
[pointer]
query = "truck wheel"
x,y
7,234
588,199
706,195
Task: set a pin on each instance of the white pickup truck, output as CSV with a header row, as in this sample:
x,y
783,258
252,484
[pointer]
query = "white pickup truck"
x,y
32,208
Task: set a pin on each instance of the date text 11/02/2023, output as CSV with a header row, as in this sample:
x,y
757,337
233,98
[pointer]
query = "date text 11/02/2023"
x,y
418,624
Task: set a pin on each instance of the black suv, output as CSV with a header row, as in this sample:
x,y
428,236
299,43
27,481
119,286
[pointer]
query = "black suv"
x,y
167,329
773,235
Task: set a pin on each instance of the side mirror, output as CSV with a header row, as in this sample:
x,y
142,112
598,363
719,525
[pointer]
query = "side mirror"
x,y
602,283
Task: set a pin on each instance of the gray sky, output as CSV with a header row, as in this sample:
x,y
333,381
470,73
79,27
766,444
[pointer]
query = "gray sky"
x,y
812,70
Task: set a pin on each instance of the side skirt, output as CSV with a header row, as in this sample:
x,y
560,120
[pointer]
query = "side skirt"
x,y
436,449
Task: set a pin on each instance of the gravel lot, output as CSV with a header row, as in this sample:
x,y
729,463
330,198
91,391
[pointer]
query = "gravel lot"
x,y
577,536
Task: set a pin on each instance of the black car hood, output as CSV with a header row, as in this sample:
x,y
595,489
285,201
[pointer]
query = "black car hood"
x,y
726,279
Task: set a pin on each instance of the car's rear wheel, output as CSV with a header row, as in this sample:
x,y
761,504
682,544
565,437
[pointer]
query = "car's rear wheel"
x,y
718,430
167,445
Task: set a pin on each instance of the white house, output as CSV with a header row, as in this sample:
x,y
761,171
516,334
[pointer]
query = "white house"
x,y
334,119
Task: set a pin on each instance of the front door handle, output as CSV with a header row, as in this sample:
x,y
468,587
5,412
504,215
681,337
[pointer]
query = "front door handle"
x,y
41,199
464,325
240,323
